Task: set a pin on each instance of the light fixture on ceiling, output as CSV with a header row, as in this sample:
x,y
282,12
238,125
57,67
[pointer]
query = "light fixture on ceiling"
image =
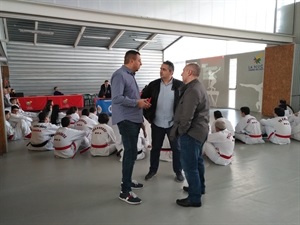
x,y
144,40
97,37
36,32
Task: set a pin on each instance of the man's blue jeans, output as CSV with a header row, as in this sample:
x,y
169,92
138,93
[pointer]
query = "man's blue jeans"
x,y
129,132
158,136
193,167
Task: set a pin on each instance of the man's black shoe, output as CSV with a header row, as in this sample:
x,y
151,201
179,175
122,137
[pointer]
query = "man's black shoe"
x,y
150,175
186,203
179,177
186,188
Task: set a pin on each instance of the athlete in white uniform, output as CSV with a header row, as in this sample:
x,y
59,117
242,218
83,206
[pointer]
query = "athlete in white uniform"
x,y
93,114
72,113
32,115
219,145
278,128
68,141
16,116
103,138
248,129
21,130
218,116
42,134
142,145
85,123
295,125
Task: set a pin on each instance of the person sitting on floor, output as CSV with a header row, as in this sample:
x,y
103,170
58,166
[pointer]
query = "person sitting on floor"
x,y
93,114
56,115
278,128
42,134
68,141
288,110
15,101
85,123
16,116
295,125
56,91
72,113
218,116
103,138
48,107
21,129
248,128
219,145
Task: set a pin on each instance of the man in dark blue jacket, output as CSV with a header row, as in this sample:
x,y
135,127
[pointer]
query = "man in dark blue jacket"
x,y
163,95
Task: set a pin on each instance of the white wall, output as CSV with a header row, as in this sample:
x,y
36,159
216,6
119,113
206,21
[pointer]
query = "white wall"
x,y
195,48
255,15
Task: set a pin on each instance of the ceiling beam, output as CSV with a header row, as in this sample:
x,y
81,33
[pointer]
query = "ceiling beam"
x,y
120,34
65,15
5,30
146,43
79,36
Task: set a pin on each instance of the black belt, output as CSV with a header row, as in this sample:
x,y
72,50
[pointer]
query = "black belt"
x,y
38,145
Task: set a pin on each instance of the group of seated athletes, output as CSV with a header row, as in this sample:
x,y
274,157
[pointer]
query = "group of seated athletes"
x,y
66,133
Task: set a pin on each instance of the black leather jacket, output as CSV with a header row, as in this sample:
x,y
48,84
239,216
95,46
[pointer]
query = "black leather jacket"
x,y
152,91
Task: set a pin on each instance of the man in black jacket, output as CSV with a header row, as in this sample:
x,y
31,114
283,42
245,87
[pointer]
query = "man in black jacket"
x,y
164,95
105,90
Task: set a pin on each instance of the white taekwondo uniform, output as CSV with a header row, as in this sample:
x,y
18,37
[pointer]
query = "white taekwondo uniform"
x,y
42,137
32,115
295,125
219,147
103,140
15,118
21,130
74,117
87,124
94,117
142,145
68,141
278,129
228,124
248,130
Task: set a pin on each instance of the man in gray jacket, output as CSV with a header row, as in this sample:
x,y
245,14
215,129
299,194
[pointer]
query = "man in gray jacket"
x,y
191,126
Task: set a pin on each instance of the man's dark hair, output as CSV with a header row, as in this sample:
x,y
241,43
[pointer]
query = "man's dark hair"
x,y
103,118
65,122
6,112
85,112
131,54
217,114
245,110
170,64
54,88
279,111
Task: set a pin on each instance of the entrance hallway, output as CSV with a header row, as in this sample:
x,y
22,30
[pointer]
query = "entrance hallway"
x,y
261,186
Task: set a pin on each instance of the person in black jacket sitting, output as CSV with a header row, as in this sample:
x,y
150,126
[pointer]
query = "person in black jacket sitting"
x,y
105,90
57,92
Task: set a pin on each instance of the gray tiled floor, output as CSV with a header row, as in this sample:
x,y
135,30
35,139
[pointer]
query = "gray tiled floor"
x,y
260,187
